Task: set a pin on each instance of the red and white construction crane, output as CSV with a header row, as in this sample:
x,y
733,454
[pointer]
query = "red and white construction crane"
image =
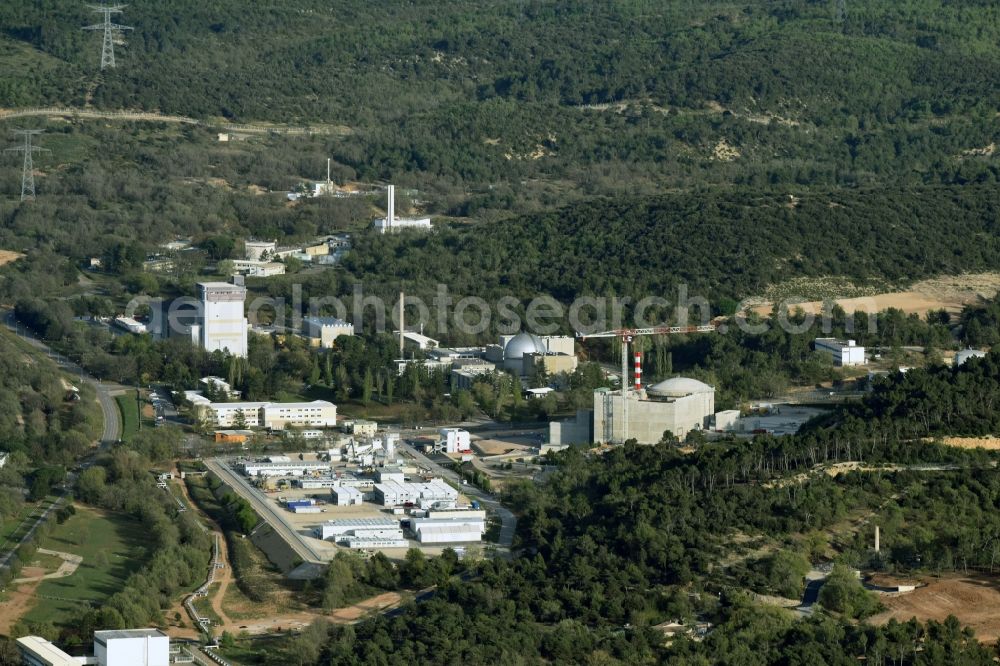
x,y
627,335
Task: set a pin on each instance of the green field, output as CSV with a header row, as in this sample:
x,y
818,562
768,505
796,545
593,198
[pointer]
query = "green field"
x,y
113,546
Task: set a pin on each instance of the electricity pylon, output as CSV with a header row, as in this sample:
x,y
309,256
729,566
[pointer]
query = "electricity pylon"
x,y
111,30
28,174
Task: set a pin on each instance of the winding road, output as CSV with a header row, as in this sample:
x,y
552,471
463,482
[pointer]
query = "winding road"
x,y
105,390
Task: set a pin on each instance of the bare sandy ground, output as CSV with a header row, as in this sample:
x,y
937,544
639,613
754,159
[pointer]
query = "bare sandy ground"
x,y
949,293
8,256
974,600
70,563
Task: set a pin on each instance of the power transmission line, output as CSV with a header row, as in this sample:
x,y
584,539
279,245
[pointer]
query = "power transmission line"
x,y
28,174
111,30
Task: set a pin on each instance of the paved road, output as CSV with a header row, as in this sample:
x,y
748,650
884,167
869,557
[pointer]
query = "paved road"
x,y
5,560
236,481
508,522
105,390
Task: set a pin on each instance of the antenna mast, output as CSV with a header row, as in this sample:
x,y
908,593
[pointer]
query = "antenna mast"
x,y
111,31
28,173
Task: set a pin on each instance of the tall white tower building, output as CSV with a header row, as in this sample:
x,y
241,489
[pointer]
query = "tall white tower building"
x,y
221,325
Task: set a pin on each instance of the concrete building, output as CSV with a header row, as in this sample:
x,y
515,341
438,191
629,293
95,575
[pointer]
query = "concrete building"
x,y
679,405
270,415
132,647
381,527
455,440
219,385
523,352
290,468
386,474
844,352
221,325
726,421
323,331
259,250
448,530
269,269
131,325
362,428
424,495
577,431
964,355
346,496
280,415
467,374
36,651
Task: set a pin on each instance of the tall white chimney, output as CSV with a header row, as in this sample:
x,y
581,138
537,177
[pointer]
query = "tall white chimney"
x,y
877,535
402,323
390,214
329,187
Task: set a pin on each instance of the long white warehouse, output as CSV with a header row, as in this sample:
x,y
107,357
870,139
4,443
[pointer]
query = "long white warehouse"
x,y
448,530
290,468
394,493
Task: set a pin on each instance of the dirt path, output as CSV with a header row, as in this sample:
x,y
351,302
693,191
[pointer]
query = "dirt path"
x,y
20,600
348,615
223,577
70,563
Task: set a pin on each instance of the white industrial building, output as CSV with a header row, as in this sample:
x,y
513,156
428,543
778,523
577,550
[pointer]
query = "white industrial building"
x,y
219,385
132,647
372,528
679,405
844,352
131,325
259,250
424,495
386,474
455,440
323,331
524,352
221,325
271,415
36,651
318,413
964,355
346,496
726,420
448,530
290,468
390,223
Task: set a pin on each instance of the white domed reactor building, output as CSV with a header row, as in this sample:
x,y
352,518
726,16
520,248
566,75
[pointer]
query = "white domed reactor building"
x,y
680,405
524,352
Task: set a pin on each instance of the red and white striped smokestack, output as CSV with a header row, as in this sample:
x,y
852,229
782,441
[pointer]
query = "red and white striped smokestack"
x,y
638,371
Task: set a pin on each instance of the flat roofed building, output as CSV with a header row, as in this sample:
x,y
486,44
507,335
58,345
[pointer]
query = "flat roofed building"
x,y
369,527
292,468
280,415
323,331
394,493
132,647
844,352
221,325
36,651
259,250
346,496
448,530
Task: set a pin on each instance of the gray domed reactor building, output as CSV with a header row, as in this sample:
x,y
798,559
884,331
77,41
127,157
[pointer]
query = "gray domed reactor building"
x,y
679,405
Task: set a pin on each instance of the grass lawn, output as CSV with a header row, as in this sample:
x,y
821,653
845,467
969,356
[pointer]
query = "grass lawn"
x,y
130,415
113,546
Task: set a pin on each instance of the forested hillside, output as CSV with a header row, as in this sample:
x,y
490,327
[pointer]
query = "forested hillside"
x,y
596,96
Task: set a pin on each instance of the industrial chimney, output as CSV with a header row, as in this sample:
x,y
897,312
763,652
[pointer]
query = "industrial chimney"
x,y
390,212
402,323
638,371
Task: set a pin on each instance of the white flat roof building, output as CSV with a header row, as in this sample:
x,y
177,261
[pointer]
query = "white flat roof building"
x,y
455,440
346,496
360,527
259,250
132,647
292,468
36,651
448,530
844,352
271,415
323,331
221,325
393,493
